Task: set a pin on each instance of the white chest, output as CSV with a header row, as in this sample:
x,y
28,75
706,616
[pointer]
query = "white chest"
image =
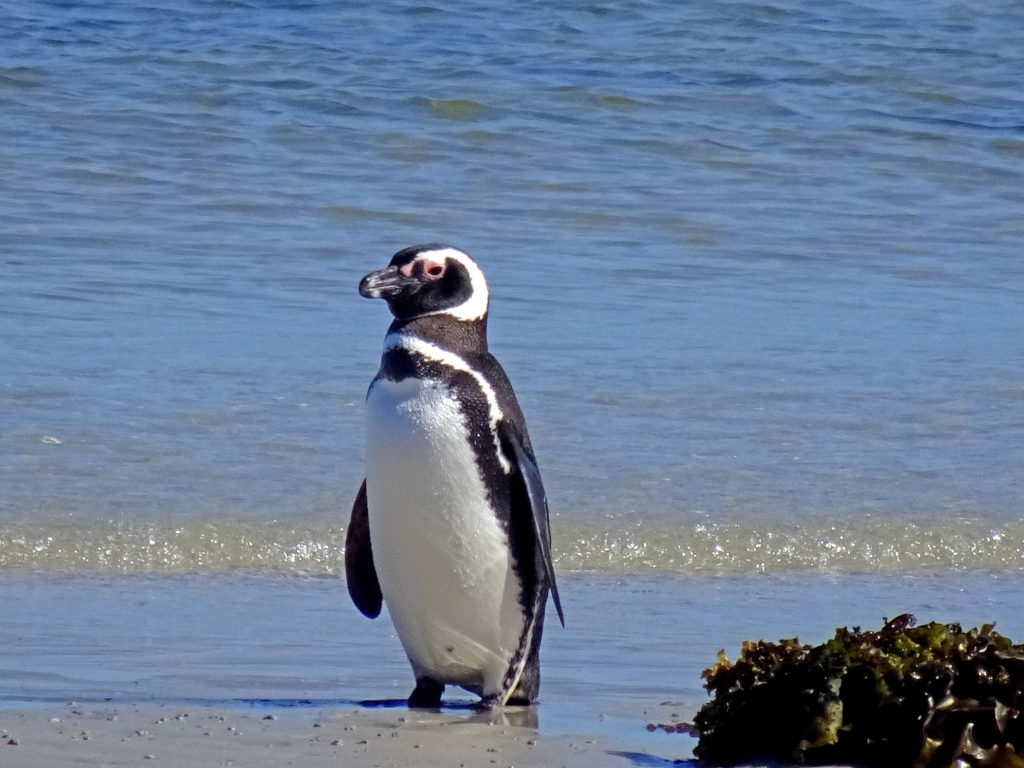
x,y
441,556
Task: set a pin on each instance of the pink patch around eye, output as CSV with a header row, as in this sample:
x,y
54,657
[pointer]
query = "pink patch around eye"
x,y
433,268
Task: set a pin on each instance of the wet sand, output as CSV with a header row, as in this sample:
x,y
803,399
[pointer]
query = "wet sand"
x,y
76,735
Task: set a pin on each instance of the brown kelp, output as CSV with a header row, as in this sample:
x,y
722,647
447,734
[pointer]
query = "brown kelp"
x,y
927,696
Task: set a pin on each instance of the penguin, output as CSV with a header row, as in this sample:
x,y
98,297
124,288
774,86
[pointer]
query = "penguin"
x,y
450,525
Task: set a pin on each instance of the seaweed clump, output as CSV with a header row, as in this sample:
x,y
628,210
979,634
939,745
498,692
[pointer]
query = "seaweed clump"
x,y
927,696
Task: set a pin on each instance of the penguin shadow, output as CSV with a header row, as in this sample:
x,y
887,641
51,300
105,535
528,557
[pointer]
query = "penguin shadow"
x,y
644,760
466,712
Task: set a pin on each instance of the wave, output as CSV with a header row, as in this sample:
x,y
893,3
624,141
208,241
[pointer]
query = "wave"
x,y
316,547
874,546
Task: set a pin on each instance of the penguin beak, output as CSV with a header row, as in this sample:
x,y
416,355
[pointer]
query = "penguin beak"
x,y
387,283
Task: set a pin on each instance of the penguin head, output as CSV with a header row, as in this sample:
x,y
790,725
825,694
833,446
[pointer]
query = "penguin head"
x,y
429,279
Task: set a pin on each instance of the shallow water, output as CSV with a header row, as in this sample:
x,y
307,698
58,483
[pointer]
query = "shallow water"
x,y
631,653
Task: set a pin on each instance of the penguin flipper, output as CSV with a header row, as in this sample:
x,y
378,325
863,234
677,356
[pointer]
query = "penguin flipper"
x,y
528,470
360,573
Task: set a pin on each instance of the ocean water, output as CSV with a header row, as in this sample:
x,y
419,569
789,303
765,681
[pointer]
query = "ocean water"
x,y
757,273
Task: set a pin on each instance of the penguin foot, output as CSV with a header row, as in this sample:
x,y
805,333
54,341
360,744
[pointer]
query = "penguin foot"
x,y
427,694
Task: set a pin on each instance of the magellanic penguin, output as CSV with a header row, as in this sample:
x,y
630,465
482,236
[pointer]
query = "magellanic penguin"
x,y
450,527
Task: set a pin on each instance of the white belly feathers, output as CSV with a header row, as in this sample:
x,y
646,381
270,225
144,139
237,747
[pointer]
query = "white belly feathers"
x,y
441,556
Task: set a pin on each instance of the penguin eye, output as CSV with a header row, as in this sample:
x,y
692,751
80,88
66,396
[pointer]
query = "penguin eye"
x,y
433,269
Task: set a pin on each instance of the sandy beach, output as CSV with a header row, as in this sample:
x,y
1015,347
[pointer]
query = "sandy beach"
x,y
76,735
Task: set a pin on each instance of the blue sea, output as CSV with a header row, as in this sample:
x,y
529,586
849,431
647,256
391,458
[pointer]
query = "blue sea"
x,y
757,275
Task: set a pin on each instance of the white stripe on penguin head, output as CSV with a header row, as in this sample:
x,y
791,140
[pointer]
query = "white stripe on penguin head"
x,y
475,307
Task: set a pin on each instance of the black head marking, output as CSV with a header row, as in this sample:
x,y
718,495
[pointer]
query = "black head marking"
x,y
429,279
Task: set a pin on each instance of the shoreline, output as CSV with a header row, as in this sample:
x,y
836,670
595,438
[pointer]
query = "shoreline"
x,y
187,670
168,735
